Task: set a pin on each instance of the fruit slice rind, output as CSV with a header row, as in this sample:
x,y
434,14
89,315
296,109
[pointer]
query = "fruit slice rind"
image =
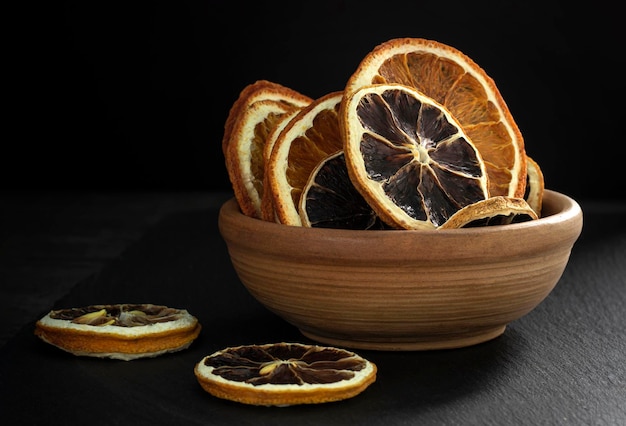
x,y
508,207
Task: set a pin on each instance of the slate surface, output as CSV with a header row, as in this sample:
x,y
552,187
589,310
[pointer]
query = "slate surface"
x,y
563,363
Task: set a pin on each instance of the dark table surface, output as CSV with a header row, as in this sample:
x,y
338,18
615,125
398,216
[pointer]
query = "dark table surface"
x,y
563,363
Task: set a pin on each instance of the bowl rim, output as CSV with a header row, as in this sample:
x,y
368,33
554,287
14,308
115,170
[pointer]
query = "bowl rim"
x,y
570,210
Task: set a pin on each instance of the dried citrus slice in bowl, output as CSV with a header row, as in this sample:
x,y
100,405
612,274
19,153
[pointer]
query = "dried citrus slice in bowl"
x,y
251,120
535,186
267,200
499,210
457,82
260,90
409,157
330,200
283,374
309,137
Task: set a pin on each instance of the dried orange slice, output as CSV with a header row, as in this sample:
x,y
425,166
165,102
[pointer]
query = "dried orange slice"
x,y
283,374
260,90
256,117
409,157
330,200
268,212
534,185
309,137
457,82
499,210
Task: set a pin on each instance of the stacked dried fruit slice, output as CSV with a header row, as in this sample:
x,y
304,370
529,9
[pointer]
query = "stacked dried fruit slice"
x,y
420,135
250,122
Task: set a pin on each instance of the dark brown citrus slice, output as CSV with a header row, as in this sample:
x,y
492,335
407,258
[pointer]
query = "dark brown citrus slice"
x,y
283,374
409,157
330,200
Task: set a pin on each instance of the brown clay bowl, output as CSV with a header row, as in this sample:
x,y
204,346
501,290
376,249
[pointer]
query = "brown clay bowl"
x,y
402,290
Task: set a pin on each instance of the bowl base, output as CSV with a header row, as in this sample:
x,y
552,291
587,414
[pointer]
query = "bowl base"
x,y
424,344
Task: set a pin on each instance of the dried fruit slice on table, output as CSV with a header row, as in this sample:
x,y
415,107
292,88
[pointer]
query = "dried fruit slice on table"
x,y
284,374
458,83
330,200
409,157
499,210
535,185
119,331
251,120
308,138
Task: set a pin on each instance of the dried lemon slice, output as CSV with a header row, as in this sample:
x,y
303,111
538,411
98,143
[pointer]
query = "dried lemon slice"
x,y
283,374
498,210
457,82
309,137
409,157
120,331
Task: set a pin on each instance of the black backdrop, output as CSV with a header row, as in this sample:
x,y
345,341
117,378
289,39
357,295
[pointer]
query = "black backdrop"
x,y
133,95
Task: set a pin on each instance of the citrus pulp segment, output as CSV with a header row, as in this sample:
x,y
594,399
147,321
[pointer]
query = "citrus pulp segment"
x,y
457,82
283,374
309,137
409,157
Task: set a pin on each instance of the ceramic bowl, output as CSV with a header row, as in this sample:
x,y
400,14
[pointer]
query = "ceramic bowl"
x,y
402,290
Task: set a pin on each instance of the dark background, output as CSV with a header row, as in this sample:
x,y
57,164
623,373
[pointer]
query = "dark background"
x,y
133,95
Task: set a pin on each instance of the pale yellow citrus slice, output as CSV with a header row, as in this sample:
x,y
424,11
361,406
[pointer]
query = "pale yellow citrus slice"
x,y
409,157
457,82
308,138
499,210
535,186
283,374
